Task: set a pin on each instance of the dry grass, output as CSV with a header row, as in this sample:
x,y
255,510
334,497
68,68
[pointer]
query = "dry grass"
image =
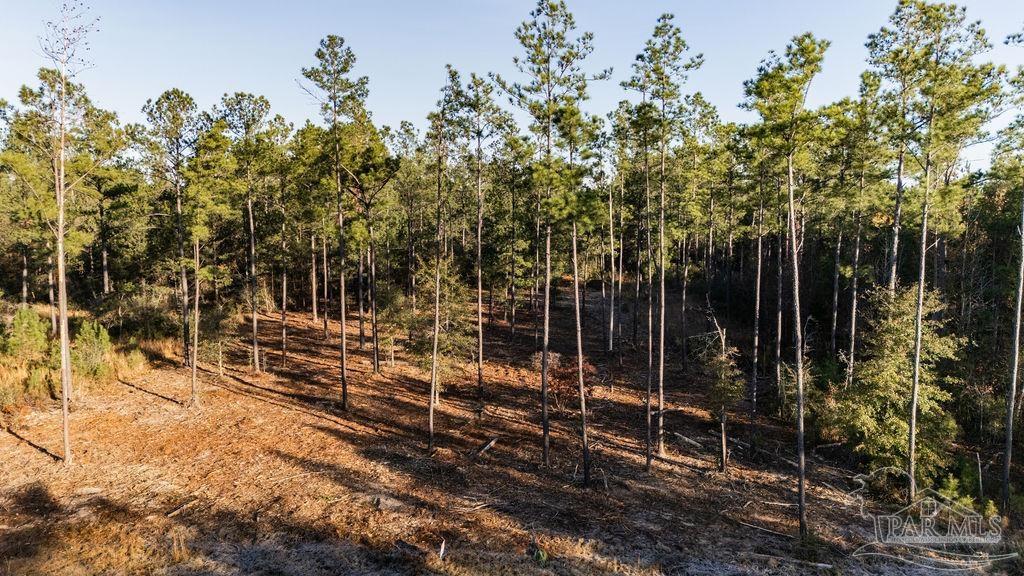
x,y
271,477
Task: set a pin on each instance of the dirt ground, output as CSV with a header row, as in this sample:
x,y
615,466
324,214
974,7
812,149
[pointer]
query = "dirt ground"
x,y
270,476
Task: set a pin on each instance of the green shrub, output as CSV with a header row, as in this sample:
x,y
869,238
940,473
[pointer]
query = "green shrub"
x,y
871,412
92,346
27,339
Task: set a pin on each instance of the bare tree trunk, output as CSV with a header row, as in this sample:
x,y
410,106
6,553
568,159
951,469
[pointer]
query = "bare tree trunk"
x,y
479,270
512,265
545,424
853,305
896,216
252,282
661,298
649,269
284,304
754,349
360,298
685,255
835,292
918,330
1011,391
182,274
49,282
579,361
621,268
709,256
62,290
194,402
798,352
372,262
312,277
437,311
780,385
342,318
611,259
636,292
326,274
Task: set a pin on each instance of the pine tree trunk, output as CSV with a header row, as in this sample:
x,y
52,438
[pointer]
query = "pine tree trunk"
x,y
835,292
62,290
50,288
579,361
342,317
850,362
611,261
182,274
684,340
372,261
194,402
636,292
896,217
252,283
779,384
437,310
326,274
661,299
512,266
313,296
284,306
652,433
756,332
621,279
918,330
1011,391
545,424
479,270
798,352
360,298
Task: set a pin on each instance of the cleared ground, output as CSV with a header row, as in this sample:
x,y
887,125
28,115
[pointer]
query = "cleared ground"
x,y
271,477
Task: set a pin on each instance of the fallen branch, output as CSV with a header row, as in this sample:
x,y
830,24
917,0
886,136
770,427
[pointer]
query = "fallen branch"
x,y
755,527
818,565
487,446
763,451
180,508
814,451
689,441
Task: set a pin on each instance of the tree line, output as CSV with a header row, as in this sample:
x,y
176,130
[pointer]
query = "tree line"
x,y
842,268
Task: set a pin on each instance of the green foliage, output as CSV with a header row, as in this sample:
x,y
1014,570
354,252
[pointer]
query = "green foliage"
x,y
727,382
951,489
872,412
91,351
457,336
145,313
26,337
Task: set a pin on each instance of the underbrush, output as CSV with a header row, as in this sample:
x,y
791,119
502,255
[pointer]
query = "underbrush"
x,y
30,360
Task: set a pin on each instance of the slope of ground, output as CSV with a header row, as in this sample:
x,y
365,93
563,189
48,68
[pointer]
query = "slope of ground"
x,y
271,477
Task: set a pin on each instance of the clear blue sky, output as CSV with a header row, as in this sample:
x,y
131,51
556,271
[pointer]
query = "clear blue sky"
x,y
211,47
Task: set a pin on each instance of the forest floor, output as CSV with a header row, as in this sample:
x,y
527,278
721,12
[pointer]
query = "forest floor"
x,y
271,477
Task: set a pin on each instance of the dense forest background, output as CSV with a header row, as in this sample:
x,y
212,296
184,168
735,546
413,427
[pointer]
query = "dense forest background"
x,y
840,270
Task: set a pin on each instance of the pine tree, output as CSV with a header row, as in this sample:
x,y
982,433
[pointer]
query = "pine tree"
x,y
553,60
340,97
778,94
